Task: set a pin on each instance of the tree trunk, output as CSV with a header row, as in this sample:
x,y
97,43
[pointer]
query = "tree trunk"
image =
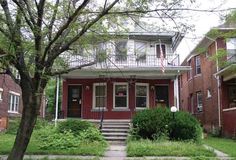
x,y
31,105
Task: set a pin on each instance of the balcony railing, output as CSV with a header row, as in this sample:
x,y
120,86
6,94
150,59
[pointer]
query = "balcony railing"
x,y
122,61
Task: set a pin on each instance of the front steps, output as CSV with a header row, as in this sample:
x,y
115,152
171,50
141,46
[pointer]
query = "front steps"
x,y
115,131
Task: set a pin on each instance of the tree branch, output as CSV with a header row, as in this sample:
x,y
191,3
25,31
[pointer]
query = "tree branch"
x,y
50,27
9,20
29,9
72,69
83,30
65,26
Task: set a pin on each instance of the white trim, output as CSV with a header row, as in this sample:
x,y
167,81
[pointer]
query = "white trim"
x,y
14,99
1,93
147,95
229,109
15,93
99,84
1,89
13,112
127,96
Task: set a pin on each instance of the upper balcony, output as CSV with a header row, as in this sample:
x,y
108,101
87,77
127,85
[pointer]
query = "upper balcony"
x,y
124,61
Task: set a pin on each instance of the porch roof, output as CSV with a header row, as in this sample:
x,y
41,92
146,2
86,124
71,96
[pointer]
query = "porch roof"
x,y
141,73
228,73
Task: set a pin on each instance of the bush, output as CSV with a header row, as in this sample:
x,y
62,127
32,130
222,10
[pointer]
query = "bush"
x,y
41,123
73,125
158,123
13,125
91,134
185,127
152,123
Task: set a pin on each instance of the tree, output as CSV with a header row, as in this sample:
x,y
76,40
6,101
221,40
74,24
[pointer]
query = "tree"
x,y
33,35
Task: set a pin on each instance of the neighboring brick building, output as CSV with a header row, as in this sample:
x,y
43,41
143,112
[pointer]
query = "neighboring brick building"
x,y
11,104
10,100
208,91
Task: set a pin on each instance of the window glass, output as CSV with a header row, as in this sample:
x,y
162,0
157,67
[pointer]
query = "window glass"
x,y
121,92
13,103
141,96
158,52
199,102
100,95
198,65
140,50
121,50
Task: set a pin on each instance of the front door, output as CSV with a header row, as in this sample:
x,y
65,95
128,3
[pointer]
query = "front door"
x,y
74,101
162,96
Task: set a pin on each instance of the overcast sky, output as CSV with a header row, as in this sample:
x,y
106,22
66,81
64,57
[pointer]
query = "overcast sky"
x,y
203,22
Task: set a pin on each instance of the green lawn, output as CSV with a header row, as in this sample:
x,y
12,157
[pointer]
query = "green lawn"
x,y
166,148
227,146
93,149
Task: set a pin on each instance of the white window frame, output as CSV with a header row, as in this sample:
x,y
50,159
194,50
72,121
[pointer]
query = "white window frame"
x,y
12,107
114,95
199,107
1,92
196,61
147,95
94,96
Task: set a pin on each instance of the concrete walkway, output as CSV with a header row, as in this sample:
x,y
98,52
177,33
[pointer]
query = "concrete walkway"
x,y
115,152
219,154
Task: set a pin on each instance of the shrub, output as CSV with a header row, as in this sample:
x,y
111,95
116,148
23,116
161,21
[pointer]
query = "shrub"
x,y
151,123
91,134
13,125
185,127
74,125
41,123
158,123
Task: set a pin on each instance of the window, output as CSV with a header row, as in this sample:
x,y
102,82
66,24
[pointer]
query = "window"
x,y
158,52
121,50
141,92
231,49
199,102
1,91
15,72
14,99
198,64
121,95
140,50
99,95
232,96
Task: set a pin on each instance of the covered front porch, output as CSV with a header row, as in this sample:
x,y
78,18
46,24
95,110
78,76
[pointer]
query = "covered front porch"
x,y
118,94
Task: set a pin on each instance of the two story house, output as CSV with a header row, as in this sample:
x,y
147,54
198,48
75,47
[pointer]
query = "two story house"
x,y
208,90
135,71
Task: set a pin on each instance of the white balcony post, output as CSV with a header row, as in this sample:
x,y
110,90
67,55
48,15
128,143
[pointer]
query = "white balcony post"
x,y
176,92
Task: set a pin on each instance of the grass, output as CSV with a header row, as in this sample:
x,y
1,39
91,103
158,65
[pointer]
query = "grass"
x,y
227,146
92,149
166,148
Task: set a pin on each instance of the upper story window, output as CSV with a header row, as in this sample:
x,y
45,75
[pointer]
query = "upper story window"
x,y
198,64
140,49
99,95
231,49
159,49
199,102
121,50
14,99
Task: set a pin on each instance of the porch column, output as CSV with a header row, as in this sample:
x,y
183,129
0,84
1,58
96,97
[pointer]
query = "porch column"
x,y
176,92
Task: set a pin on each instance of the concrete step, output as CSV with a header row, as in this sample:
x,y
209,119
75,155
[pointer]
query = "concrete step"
x,y
111,126
112,138
113,130
115,134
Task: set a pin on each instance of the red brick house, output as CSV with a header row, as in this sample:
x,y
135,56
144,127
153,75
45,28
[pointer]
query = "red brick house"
x,y
128,79
208,90
10,99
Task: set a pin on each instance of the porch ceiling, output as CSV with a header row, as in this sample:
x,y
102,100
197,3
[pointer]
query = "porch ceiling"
x,y
142,73
228,73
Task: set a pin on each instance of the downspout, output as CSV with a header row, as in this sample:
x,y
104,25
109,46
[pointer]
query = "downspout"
x,y
218,82
57,100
